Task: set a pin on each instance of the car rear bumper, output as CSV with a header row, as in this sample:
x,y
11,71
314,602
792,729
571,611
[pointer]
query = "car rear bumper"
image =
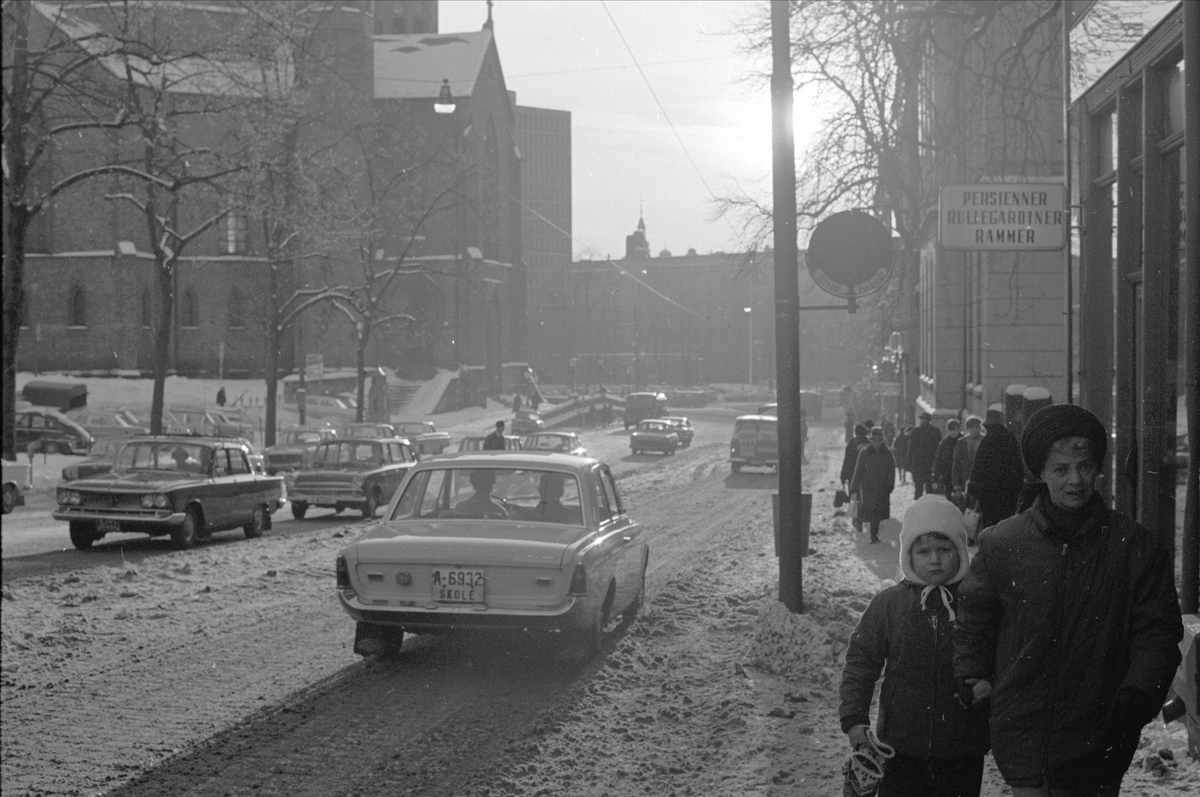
x,y
326,497
569,615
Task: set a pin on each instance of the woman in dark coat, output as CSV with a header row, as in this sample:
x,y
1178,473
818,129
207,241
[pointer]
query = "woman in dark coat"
x,y
901,453
997,474
850,458
873,481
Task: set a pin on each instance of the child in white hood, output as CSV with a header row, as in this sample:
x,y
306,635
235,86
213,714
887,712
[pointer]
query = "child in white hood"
x,y
906,633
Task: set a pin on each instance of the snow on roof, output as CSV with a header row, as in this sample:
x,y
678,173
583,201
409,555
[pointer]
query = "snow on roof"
x,y
413,66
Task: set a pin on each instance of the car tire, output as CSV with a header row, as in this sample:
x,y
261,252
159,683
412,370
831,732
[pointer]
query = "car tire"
x,y
63,448
593,641
377,640
371,506
83,535
299,509
736,467
257,525
671,451
10,498
185,535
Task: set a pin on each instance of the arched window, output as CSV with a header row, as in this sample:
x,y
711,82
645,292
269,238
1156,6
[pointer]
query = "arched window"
x,y
189,313
237,315
77,311
26,310
146,317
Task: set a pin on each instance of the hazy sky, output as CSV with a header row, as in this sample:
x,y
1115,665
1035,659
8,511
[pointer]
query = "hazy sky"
x,y
569,56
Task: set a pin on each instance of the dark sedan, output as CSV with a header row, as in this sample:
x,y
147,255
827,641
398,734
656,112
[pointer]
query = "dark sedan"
x,y
187,487
361,473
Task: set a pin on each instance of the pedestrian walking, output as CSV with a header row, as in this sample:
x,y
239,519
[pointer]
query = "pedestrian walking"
x,y
964,456
849,461
535,400
900,452
943,460
906,634
922,447
997,473
874,479
1069,611
221,396
516,405
889,431
849,424
495,440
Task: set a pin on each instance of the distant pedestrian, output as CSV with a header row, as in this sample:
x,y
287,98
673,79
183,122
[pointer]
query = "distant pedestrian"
x,y
495,440
906,635
849,424
535,400
900,452
889,431
850,460
943,460
964,456
221,396
516,405
922,447
997,474
873,480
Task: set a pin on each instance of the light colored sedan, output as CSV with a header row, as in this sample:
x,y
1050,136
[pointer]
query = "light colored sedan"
x,y
560,442
504,541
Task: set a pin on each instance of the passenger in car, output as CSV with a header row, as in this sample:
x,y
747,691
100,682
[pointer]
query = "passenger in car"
x,y
480,503
550,508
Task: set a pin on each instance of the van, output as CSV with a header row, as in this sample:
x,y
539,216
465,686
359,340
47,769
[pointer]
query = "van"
x,y
755,442
642,406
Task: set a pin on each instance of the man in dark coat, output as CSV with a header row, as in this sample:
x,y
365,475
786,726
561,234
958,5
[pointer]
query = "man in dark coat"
x,y
850,458
873,481
922,447
1069,611
998,474
900,452
943,459
495,440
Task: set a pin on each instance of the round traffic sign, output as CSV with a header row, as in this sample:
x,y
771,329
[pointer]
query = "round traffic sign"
x,y
850,254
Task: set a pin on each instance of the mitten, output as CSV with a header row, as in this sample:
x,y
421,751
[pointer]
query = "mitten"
x,y
966,695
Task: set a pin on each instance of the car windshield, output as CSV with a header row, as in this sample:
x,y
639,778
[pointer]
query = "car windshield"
x,y
550,442
106,447
369,430
346,453
650,426
182,457
413,428
533,495
291,438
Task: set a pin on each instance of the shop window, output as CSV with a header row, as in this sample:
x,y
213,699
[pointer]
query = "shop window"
x,y
77,310
237,318
189,314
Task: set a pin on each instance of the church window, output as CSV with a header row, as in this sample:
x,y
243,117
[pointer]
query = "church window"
x,y
233,234
189,313
77,310
237,318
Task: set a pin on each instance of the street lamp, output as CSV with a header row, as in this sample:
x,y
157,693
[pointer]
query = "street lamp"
x,y
750,335
444,102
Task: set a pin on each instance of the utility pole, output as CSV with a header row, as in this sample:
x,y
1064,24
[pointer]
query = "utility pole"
x,y
787,311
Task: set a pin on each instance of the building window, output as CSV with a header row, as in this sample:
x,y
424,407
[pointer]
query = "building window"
x,y
237,317
77,312
189,314
145,308
26,310
233,234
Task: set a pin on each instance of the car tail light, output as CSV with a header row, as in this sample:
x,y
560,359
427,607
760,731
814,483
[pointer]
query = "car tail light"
x,y
579,581
343,573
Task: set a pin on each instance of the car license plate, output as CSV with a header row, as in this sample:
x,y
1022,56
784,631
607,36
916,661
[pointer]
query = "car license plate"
x,y
107,526
458,586
323,499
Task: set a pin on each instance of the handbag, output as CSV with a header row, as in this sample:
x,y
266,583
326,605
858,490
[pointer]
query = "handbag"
x,y
971,519
840,498
852,511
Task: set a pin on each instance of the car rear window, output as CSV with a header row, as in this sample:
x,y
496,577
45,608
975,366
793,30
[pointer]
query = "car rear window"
x,y
525,494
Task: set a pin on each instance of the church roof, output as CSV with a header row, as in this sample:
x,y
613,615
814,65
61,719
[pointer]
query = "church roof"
x,y
413,66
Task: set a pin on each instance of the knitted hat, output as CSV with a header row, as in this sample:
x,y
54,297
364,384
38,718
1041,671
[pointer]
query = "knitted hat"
x,y
1057,422
932,512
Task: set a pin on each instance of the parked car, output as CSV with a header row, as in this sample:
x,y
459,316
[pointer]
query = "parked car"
x,y
475,443
654,435
141,417
362,473
187,487
527,422
101,458
755,442
367,429
328,407
425,437
769,409
292,447
106,423
214,422
561,442
640,406
682,427
50,431
509,541
17,478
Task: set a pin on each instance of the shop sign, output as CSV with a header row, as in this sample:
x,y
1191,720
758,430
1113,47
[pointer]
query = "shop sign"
x,y
1003,217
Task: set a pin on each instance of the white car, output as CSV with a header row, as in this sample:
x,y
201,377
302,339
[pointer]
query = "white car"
x,y
17,479
502,541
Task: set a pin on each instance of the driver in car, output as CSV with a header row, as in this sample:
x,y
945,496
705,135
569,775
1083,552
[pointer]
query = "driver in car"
x,y
480,503
550,508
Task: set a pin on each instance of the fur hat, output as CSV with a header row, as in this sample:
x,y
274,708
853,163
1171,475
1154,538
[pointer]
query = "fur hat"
x,y
1057,422
932,512
993,416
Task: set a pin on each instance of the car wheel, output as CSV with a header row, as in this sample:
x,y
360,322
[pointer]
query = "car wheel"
x,y
299,509
257,525
635,606
671,451
63,448
10,498
377,640
83,535
371,506
184,536
736,467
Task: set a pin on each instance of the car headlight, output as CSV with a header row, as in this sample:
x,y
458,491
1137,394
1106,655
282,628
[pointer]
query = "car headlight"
x,y
62,496
357,481
74,498
289,479
147,501
161,501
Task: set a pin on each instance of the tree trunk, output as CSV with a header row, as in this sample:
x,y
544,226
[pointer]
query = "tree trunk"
x,y
14,311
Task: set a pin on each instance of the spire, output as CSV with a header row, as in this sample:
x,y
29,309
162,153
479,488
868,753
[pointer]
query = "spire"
x,y
488,24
